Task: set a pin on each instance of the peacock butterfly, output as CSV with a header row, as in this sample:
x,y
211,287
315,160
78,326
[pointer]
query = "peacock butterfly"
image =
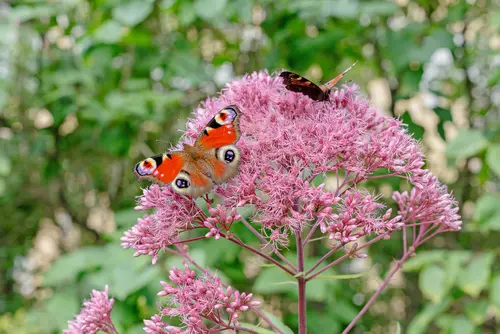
x,y
213,159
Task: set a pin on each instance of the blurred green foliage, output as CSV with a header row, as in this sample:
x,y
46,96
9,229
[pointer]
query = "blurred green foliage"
x,y
87,88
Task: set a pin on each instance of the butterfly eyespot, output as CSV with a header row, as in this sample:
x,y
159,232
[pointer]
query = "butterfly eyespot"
x,y
182,183
226,116
145,167
229,156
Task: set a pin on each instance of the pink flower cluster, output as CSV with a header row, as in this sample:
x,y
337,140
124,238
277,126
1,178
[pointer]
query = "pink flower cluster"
x,y
173,215
429,203
289,142
94,316
195,298
357,215
220,221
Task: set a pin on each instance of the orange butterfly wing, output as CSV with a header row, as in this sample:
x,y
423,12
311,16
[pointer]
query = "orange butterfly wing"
x,y
160,168
222,130
169,168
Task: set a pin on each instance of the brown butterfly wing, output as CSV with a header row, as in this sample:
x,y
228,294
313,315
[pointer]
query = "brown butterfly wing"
x,y
216,144
191,180
299,84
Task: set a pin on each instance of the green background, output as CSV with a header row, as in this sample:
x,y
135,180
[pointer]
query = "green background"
x,y
88,88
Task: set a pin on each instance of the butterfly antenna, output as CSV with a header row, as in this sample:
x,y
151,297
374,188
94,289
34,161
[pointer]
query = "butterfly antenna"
x,y
162,141
329,85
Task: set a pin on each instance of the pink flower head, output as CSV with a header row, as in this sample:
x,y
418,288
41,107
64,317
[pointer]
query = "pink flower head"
x,y
173,214
94,316
220,220
193,298
288,141
428,203
157,326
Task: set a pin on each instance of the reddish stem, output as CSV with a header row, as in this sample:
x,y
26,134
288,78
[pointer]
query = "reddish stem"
x,y
261,237
187,240
340,259
301,284
258,252
377,293
266,319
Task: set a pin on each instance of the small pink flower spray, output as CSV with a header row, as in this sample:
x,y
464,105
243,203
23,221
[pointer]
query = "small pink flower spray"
x,y
288,141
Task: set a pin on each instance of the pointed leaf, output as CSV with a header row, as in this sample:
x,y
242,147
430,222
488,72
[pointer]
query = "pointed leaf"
x,y
474,278
432,283
278,323
132,13
493,158
420,323
467,144
495,292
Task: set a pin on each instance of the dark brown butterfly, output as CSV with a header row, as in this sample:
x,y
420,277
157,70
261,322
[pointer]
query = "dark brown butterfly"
x,y
297,83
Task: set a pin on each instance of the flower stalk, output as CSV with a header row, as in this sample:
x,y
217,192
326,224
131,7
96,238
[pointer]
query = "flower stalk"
x,y
301,282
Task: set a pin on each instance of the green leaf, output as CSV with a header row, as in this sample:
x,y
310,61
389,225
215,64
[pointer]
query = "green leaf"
x,y
416,130
432,283
209,9
493,158
132,13
3,186
477,311
26,13
453,265
486,207
127,217
68,266
494,76
5,165
445,322
268,282
139,329
286,282
424,258
198,255
378,8
462,325
487,213
421,321
123,274
110,32
256,328
278,323
474,278
320,10
318,321
444,116
125,281
345,276
467,143
187,13
495,291
55,311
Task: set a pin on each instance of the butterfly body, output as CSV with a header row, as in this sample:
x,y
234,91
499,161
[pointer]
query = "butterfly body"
x,y
211,160
296,83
